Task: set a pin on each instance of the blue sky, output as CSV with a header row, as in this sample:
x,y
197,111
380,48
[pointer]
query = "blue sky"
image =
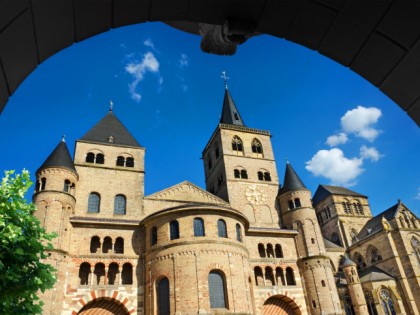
x,y
331,124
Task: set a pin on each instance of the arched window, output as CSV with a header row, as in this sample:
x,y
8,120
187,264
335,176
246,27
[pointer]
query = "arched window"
x,y
280,276
313,304
95,244
216,150
290,276
217,290
297,203
270,251
100,158
269,276
256,147
174,230
237,145
84,272
267,177
244,174
386,302
260,175
153,236
358,208
221,228
278,251
346,207
119,246
94,202
107,245
43,183
323,283
370,303
90,157
261,250
67,186
238,233
99,273
416,247
236,173
259,279
374,254
360,262
120,204
163,297
120,161
129,162
353,235
198,227
291,204
113,274
127,274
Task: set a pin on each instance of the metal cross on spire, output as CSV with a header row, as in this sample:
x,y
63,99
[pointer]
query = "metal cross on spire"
x,y
225,78
111,105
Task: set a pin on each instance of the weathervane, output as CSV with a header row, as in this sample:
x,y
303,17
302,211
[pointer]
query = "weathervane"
x,y
225,78
111,105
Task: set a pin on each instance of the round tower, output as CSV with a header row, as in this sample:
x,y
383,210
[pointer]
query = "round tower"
x,y
355,288
297,213
54,194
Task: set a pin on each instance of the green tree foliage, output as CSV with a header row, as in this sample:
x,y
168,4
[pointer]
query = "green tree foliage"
x,y
23,243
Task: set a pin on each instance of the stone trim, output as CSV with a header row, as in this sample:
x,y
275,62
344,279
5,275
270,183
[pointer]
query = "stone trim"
x,y
112,295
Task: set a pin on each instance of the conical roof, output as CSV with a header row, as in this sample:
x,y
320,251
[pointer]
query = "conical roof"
x,y
291,180
110,130
230,114
348,262
60,157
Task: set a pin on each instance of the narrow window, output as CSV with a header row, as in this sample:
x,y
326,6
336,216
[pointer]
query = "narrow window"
x,y
270,251
127,274
198,227
260,176
291,204
269,276
90,157
323,283
238,233
163,297
259,279
313,304
217,289
84,272
267,177
244,174
113,273
221,228
256,147
120,204
100,158
94,203
129,162
278,251
120,161
312,240
209,163
119,246
67,186
236,116
237,144
107,245
297,203
261,250
290,276
99,273
95,244
280,276
153,236
236,173
43,183
216,150
174,230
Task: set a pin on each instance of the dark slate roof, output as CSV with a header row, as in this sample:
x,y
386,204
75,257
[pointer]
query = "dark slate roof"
x,y
375,224
230,114
60,157
109,126
348,262
291,180
324,191
329,244
372,274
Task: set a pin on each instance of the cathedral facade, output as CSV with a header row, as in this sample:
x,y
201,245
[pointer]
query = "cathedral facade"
x,y
248,244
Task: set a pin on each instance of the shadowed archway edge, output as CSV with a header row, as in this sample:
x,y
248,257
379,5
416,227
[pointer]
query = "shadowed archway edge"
x,y
377,39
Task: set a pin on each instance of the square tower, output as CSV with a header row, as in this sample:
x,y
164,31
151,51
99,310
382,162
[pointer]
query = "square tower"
x,y
240,167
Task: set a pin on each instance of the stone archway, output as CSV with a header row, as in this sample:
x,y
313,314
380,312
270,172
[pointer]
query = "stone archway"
x,y
104,306
280,304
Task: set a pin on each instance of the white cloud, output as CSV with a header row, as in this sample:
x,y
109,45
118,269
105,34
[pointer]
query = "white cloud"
x,y
183,61
370,153
148,42
138,69
360,121
337,139
333,165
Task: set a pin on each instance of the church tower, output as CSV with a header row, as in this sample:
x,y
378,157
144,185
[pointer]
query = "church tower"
x,y
355,287
240,167
298,214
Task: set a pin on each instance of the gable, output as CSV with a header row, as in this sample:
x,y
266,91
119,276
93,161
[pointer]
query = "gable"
x,y
189,193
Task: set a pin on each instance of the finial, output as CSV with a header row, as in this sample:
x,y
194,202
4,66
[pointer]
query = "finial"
x,y
225,78
399,200
111,105
63,138
287,161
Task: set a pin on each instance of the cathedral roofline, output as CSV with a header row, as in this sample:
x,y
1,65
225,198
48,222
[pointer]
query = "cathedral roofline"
x,y
324,191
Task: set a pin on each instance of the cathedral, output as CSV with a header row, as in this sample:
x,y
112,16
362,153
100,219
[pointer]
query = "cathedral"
x,y
248,244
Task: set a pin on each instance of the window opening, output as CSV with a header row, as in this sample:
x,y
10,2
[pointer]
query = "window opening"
x,y
94,202
120,204
198,227
221,228
174,230
217,290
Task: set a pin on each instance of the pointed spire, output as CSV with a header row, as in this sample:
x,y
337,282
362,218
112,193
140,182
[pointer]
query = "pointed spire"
x,y
230,114
110,130
60,157
291,180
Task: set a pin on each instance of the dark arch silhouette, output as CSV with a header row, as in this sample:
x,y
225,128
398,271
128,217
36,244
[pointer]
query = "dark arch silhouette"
x,y
377,39
104,306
